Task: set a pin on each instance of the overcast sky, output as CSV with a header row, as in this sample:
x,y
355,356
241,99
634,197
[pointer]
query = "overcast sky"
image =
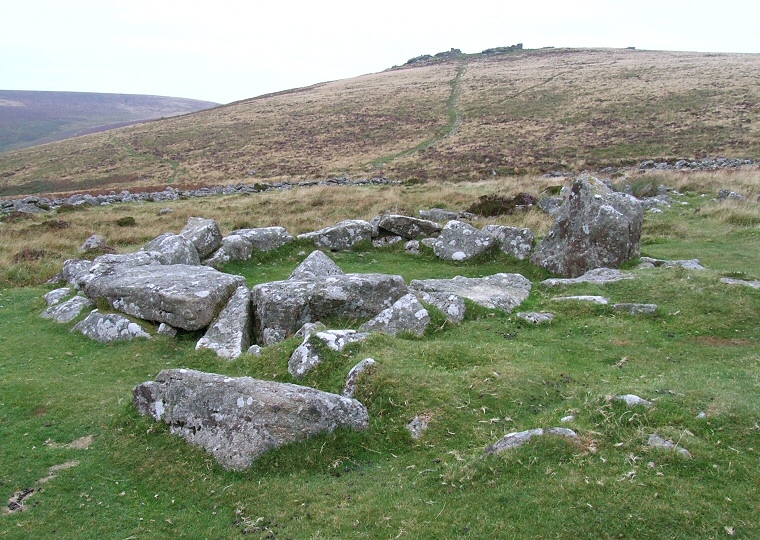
x,y
227,50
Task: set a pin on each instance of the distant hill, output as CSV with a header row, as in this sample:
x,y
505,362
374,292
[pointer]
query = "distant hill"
x,y
446,117
29,118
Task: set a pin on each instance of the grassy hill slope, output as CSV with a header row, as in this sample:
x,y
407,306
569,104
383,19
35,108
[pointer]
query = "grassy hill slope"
x,y
468,117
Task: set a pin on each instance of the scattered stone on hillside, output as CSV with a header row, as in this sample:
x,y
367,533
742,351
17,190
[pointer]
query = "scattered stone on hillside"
x,y
233,248
418,426
653,203
382,241
309,329
316,265
633,400
597,276
166,330
687,264
109,327
204,235
702,414
165,211
657,441
413,247
306,356
518,438
514,241
499,291
230,333
550,205
635,309
57,295
282,307
583,298
724,194
409,227
340,236
451,305
461,241
95,243
568,418
265,238
439,215
596,227
755,284
69,310
254,350
173,249
536,317
353,376
186,297
405,315
237,419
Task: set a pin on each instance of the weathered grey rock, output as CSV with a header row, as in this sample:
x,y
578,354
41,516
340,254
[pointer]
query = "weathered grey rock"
x,y
165,211
583,298
755,284
595,227
375,224
265,238
74,269
230,334
204,235
236,420
536,317
282,307
439,215
413,247
186,297
173,249
635,309
317,265
382,241
95,242
307,356
518,438
109,327
353,376
418,426
633,400
67,311
340,236
338,339
686,264
309,329
550,205
461,241
657,441
452,305
409,227
254,350
728,194
166,330
597,276
499,291
405,315
514,241
568,418
428,242
234,248
107,264
57,295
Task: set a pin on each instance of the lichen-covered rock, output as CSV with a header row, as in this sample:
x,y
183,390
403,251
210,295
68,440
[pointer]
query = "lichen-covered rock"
x,y
499,291
461,241
418,426
166,330
340,236
597,276
307,355
230,333
109,327
67,311
596,227
316,265
265,238
686,264
233,248
186,297
515,241
413,247
382,241
95,242
594,299
236,420
405,315
409,227
282,307
658,441
204,235
439,215
56,296
536,317
353,376
173,249
635,309
452,305
515,439
73,270
754,284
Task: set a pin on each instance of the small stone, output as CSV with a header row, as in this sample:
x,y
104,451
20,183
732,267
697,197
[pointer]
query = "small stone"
x,y
536,317
633,400
254,350
568,418
636,309
702,414
417,426
657,441
166,330
413,247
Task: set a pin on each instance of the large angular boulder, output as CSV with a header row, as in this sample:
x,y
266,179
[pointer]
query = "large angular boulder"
x,y
409,227
316,265
186,297
407,314
515,241
265,238
282,307
236,420
109,327
499,291
173,249
340,236
230,333
204,234
461,241
234,248
595,227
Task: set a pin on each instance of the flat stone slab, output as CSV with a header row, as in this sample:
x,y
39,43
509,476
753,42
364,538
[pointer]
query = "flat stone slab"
x,y
265,238
186,297
746,283
409,227
687,264
56,296
109,327
69,310
230,333
635,309
518,438
237,419
597,276
583,298
536,317
499,291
